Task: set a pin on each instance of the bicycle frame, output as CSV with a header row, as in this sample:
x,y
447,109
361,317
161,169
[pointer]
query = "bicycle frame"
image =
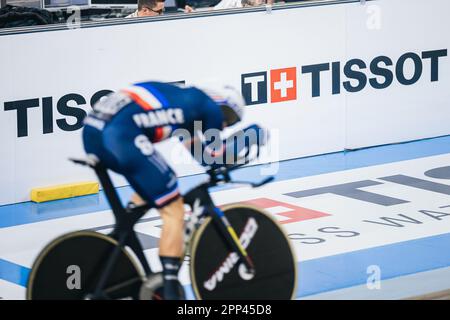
x,y
199,198
126,219
123,230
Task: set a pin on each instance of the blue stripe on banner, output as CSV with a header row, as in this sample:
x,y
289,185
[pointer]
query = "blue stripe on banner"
x,y
28,212
394,260
347,160
14,273
338,271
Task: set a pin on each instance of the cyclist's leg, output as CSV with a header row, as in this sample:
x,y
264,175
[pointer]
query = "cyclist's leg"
x,y
156,183
171,243
171,246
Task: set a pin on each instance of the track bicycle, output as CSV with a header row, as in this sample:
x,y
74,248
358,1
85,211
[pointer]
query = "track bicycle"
x,y
235,252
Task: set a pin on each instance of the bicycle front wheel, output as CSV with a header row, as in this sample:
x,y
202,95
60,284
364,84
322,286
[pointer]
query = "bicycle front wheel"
x,y
215,273
69,268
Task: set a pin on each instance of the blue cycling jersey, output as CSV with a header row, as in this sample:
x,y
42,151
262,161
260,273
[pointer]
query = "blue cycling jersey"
x,y
159,109
122,127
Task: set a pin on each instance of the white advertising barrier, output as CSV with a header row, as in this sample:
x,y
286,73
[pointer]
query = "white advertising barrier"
x,y
48,79
415,36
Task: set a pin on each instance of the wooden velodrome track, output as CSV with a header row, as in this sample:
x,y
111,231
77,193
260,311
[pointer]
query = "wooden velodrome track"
x,y
439,295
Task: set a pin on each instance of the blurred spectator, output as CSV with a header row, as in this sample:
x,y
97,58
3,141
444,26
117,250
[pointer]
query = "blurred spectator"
x,y
188,9
148,8
229,4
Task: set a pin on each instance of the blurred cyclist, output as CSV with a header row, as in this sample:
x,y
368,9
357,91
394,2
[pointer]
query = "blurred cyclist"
x,y
121,131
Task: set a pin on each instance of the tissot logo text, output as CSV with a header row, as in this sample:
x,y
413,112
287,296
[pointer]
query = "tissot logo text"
x,y
349,76
254,87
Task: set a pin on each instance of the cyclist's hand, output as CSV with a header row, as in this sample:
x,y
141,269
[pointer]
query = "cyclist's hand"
x,y
257,135
254,137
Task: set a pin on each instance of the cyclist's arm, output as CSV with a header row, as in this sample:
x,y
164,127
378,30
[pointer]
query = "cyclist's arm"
x,y
226,151
209,149
205,145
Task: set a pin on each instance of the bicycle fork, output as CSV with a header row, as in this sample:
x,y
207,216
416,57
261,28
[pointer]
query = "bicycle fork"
x,y
232,238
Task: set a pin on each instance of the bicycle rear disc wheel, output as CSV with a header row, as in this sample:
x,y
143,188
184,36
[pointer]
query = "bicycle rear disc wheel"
x,y
69,268
215,273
